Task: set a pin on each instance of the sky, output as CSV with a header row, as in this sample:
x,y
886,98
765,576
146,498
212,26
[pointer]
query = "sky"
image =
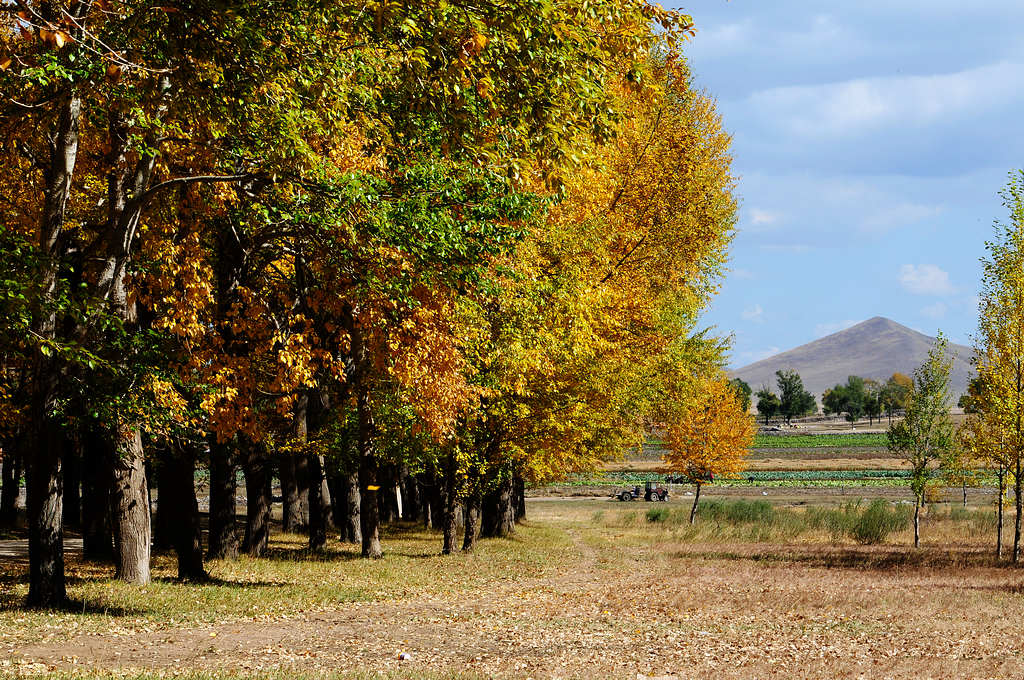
x,y
871,139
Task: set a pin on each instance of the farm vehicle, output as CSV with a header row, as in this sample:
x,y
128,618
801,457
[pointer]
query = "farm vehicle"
x,y
652,491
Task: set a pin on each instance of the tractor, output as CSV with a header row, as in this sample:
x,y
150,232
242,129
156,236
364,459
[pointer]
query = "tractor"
x,y
652,492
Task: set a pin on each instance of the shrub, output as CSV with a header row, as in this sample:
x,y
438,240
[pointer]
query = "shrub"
x,y
658,514
876,522
738,512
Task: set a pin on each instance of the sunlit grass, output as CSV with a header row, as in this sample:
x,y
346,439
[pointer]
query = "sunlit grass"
x,y
287,581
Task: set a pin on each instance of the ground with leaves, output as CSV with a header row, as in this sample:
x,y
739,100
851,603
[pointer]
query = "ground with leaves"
x,y
587,589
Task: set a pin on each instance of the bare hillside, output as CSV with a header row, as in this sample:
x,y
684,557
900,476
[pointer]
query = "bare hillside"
x,y
875,348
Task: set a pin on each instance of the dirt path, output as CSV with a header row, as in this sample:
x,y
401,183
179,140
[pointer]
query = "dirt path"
x,y
520,627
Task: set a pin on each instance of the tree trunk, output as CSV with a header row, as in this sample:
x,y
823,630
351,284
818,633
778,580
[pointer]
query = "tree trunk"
x,y
41,451
130,512
256,470
498,517
11,485
520,496
351,532
319,504
368,484
917,521
45,513
449,495
187,537
965,494
999,512
291,510
471,512
696,499
1017,509
369,521
223,530
97,531
72,468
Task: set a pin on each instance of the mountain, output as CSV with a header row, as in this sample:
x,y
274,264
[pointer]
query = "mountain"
x,y
875,348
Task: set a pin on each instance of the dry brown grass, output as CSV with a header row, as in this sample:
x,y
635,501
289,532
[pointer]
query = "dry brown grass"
x,y
616,596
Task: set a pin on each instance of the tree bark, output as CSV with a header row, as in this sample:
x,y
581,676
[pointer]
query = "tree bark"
x,y
917,521
44,481
319,504
696,499
351,531
498,518
520,496
45,529
97,531
291,510
72,468
187,537
223,530
999,512
450,503
291,517
471,512
130,512
1017,509
256,470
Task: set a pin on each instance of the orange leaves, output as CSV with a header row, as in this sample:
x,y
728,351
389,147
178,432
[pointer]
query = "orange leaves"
x,y
709,433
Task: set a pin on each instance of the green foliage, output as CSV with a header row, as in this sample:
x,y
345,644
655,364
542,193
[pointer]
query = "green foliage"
x,y
925,435
768,404
743,392
794,400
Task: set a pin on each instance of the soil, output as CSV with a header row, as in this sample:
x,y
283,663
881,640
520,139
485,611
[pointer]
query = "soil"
x,y
632,610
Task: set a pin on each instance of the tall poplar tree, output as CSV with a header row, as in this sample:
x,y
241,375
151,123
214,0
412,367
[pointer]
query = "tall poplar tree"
x,y
1000,343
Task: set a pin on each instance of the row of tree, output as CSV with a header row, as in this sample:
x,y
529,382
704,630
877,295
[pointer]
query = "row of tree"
x,y
866,397
444,247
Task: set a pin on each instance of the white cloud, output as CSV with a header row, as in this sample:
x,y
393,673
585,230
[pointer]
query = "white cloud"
x,y
759,217
935,311
755,313
839,109
925,279
823,329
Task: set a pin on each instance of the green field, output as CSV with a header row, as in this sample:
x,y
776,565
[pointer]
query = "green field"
x,y
811,441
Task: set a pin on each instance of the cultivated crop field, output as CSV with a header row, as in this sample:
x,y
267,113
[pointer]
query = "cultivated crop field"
x,y
589,588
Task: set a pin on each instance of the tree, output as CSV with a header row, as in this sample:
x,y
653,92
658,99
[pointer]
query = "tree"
x,y
743,392
709,437
768,403
794,400
925,435
872,400
895,393
1000,342
850,399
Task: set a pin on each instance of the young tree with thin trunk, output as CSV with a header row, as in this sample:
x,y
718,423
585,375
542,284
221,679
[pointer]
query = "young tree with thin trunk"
x,y
925,435
1000,342
709,436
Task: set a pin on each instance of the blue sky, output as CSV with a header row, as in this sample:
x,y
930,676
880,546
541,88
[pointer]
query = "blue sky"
x,y
871,140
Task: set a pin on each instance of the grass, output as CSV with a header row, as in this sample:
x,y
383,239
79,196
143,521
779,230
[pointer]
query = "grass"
x,y
288,580
801,441
595,589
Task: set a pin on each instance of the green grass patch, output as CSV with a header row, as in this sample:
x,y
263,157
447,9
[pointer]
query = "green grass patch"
x,y
813,441
864,523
